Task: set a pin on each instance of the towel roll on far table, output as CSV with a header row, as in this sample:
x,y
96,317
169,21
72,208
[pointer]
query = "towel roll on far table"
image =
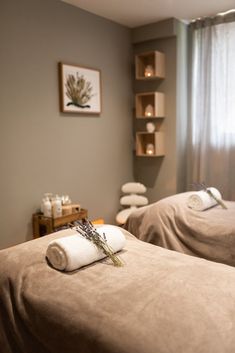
x,y
201,200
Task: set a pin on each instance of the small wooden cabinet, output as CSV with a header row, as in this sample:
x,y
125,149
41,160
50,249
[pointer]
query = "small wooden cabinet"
x,y
156,100
45,225
150,144
150,65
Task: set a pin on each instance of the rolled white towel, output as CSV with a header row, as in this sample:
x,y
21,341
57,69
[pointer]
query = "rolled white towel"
x,y
201,200
72,252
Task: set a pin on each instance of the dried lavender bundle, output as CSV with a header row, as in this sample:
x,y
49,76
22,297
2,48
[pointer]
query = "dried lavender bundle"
x,y
88,231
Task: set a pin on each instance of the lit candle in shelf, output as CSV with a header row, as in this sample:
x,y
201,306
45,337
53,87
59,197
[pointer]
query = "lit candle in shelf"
x,y
148,72
148,110
150,149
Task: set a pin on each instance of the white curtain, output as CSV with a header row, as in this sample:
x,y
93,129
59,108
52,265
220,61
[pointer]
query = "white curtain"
x,y
212,108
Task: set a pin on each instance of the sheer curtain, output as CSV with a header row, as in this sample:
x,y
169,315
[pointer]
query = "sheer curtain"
x,y
212,104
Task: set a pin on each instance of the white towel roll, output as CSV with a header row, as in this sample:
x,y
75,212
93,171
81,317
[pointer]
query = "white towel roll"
x,y
72,252
201,200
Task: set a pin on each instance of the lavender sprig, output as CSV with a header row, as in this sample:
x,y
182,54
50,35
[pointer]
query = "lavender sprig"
x,y
88,231
202,186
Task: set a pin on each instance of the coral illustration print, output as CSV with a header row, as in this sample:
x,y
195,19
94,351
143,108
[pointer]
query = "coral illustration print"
x,y
78,90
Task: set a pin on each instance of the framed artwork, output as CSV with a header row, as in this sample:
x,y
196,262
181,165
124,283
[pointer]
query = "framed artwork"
x,y
80,89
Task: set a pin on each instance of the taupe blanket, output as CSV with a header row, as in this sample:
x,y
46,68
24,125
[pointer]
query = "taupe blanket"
x,y
159,302
171,224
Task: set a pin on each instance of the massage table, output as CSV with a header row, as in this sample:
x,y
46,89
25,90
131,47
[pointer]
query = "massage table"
x,y
171,224
160,301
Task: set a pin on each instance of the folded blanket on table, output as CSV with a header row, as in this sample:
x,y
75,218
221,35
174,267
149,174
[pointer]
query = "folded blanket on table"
x,y
72,252
201,200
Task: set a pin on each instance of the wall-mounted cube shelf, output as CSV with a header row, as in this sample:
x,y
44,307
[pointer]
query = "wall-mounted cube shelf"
x,y
150,65
150,144
154,100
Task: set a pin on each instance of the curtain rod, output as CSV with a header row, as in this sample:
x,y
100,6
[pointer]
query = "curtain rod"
x,y
222,17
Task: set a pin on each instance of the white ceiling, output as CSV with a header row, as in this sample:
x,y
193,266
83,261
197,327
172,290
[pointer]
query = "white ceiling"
x,y
133,13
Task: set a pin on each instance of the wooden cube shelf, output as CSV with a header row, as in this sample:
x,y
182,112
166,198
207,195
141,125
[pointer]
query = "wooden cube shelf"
x,y
155,99
155,60
143,139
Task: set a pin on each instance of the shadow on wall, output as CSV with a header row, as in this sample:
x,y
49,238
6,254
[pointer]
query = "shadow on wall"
x,y
146,170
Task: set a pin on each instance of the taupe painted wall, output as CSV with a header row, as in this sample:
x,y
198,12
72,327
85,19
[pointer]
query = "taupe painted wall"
x,y
159,174
158,30
165,176
43,150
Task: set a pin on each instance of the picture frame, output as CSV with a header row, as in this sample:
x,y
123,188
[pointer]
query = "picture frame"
x,y
80,89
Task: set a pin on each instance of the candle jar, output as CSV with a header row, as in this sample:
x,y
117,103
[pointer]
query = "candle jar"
x,y
149,149
148,71
148,110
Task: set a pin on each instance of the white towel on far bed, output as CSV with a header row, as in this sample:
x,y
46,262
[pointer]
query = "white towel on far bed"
x,y
72,252
201,200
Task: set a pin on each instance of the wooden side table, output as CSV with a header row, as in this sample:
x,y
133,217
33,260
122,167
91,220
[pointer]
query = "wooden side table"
x,y
45,225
